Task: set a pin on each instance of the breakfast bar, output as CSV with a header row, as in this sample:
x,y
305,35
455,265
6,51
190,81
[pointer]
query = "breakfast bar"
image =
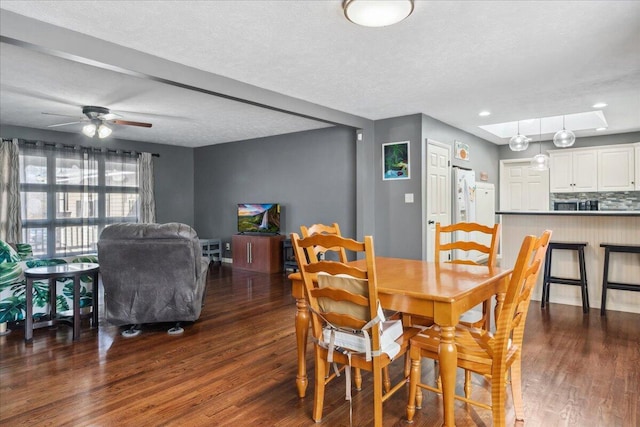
x,y
592,227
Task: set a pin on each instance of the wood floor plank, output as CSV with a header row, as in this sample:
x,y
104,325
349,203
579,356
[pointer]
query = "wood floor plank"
x,y
236,366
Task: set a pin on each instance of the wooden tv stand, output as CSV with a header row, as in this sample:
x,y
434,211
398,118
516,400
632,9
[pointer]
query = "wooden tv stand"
x,y
257,253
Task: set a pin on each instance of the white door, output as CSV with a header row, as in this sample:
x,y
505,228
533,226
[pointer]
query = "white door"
x,y
522,188
436,190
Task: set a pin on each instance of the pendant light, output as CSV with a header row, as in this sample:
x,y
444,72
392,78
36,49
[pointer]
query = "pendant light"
x,y
540,162
518,142
564,138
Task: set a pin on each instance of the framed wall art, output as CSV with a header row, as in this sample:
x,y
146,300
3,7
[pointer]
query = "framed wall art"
x,y
462,150
395,161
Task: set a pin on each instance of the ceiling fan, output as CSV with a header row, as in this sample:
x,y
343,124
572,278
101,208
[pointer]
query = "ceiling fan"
x,y
97,119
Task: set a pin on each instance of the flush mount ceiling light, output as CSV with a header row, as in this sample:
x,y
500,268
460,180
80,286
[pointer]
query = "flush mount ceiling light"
x,y
377,13
564,138
484,113
599,105
518,142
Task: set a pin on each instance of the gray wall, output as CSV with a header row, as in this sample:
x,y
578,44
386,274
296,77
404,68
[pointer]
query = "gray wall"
x,y
173,170
398,230
398,226
623,138
311,174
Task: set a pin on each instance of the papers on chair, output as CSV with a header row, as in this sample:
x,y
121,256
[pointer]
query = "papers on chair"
x,y
391,330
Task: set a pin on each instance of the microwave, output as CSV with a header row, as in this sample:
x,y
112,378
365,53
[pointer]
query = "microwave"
x,y
565,206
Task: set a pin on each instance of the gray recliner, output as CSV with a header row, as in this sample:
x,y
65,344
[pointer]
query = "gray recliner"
x,y
152,273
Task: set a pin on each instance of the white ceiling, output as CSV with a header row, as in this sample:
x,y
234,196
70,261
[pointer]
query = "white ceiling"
x,y
450,60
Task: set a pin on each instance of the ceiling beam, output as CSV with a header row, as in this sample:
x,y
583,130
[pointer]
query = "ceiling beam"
x,y
42,37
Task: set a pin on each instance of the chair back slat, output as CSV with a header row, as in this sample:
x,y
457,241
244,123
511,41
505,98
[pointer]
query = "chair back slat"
x,y
334,268
333,229
449,238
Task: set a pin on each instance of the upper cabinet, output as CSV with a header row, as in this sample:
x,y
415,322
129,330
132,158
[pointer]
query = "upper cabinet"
x,y
573,171
605,168
616,168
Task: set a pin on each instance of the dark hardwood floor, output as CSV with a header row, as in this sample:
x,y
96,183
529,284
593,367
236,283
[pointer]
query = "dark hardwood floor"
x,y
236,366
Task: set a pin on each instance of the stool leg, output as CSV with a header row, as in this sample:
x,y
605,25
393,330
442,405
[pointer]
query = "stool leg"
x,y
545,282
583,281
605,282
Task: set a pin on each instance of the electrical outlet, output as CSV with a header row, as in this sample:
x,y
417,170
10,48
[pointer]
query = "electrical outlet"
x,y
227,246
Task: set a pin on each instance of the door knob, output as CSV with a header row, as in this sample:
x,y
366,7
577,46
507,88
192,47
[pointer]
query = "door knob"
x,y
430,222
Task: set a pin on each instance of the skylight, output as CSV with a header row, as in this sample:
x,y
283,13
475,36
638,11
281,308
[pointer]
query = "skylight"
x,y
531,127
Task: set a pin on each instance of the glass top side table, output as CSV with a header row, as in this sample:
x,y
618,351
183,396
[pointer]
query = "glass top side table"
x,y
51,273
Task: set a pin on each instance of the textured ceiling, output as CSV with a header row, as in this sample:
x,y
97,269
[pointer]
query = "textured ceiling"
x,y
449,60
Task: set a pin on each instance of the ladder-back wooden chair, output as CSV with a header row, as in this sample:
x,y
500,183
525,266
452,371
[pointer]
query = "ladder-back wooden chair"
x,y
345,298
450,238
318,251
479,351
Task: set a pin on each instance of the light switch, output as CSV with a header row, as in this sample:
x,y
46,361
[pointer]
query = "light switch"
x,y
408,198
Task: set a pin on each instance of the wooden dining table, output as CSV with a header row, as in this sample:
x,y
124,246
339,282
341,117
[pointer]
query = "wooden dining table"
x,y
442,291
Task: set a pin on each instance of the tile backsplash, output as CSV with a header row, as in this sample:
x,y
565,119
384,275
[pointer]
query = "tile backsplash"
x,y
615,200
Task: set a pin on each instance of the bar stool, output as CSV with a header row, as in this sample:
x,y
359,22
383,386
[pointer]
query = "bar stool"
x,y
606,284
581,281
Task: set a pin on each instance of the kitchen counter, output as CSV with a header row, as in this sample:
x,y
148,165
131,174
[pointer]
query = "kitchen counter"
x,y
572,213
592,227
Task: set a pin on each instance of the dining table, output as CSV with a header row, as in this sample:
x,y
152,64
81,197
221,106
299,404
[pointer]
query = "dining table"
x,y
442,291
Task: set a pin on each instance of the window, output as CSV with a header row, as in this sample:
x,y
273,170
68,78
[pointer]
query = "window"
x,y
68,196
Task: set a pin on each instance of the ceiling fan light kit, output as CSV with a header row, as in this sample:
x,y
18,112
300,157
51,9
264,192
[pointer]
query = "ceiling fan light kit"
x,y
377,13
99,118
89,130
104,131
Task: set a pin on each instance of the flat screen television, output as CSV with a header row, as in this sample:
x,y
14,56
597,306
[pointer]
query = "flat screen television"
x,y
259,218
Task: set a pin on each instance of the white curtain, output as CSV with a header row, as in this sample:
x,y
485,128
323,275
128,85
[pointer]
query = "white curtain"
x,y
146,184
10,223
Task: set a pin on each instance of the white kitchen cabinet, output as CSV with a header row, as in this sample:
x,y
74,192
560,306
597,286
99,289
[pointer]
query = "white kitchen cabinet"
x,y
616,168
637,166
573,171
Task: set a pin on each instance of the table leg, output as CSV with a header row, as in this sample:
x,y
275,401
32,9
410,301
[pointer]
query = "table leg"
x,y
302,330
53,290
448,355
76,307
94,309
28,317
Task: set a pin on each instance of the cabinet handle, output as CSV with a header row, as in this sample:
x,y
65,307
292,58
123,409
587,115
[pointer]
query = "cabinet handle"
x,y
248,252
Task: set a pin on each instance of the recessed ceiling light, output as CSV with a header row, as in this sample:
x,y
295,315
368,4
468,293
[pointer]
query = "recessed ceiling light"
x,y
484,113
600,105
600,129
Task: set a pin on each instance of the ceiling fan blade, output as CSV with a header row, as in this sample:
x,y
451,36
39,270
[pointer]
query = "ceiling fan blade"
x,y
110,116
63,124
129,123
62,115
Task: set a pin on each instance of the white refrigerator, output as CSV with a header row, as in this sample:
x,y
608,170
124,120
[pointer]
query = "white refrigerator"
x,y
464,209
